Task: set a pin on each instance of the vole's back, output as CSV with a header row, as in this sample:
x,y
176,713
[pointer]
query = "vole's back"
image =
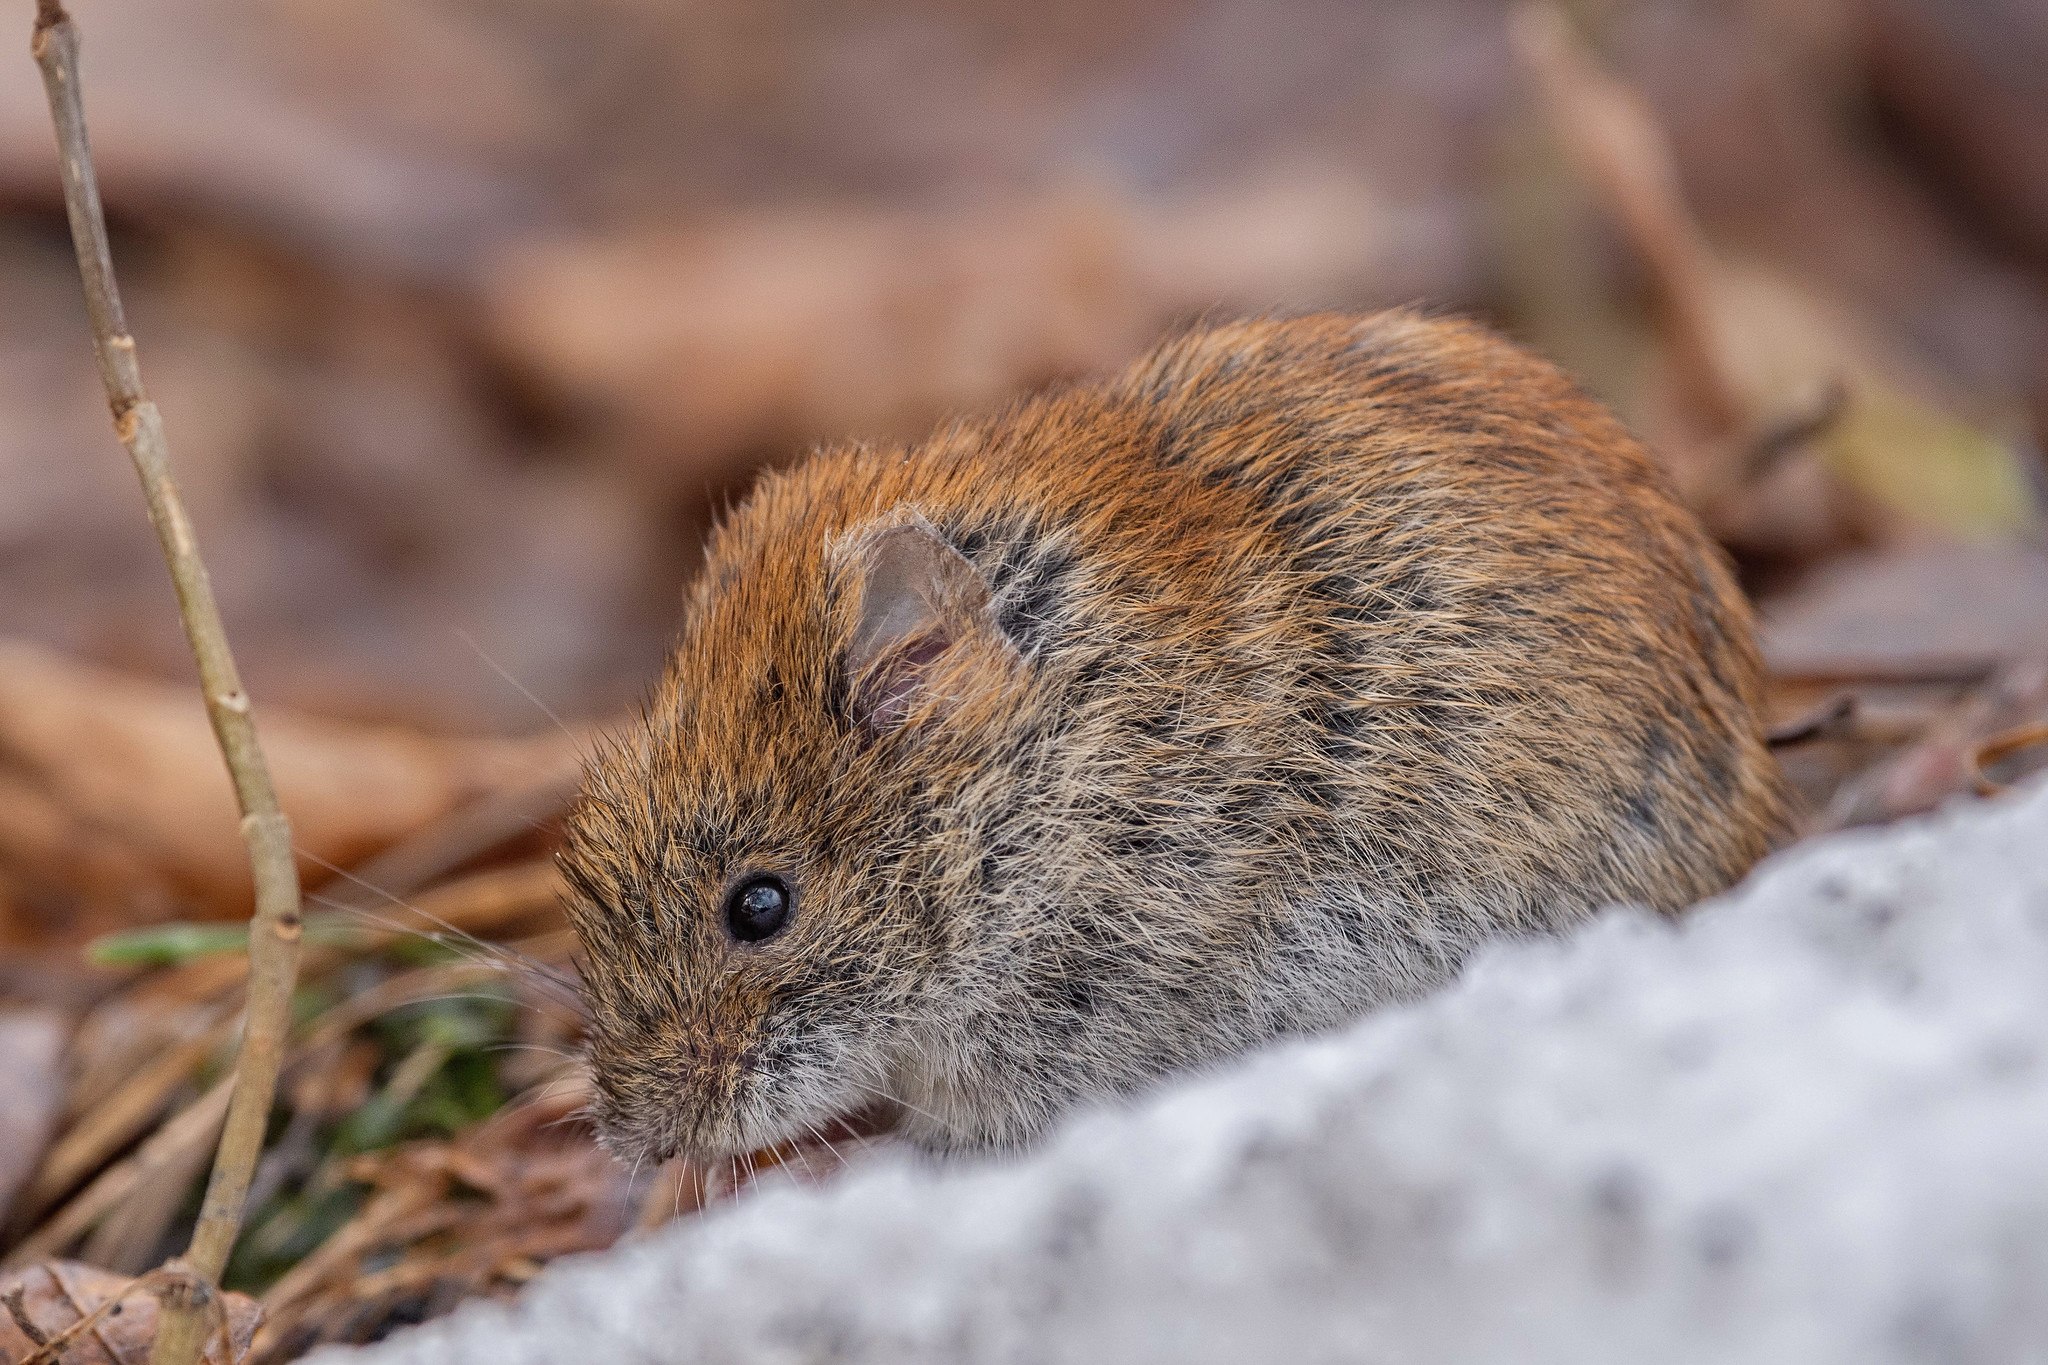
x,y
1511,659
1341,644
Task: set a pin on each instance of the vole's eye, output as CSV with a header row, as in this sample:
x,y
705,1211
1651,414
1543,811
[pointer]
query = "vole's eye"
x,y
758,907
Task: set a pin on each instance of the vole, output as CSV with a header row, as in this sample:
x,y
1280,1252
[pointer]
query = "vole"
x,y
1145,722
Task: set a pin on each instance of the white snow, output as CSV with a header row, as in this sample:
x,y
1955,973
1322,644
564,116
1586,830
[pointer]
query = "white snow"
x,y
1808,1124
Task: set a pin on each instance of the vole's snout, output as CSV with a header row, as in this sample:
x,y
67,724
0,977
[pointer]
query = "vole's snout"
x,y
677,1091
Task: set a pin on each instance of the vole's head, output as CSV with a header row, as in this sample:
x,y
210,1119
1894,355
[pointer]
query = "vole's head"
x,y
766,876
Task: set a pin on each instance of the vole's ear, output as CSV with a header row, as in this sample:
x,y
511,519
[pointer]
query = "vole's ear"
x,y
918,599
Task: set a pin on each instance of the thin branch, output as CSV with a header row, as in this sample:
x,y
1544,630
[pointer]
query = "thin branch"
x,y
17,1308
1951,752
1618,145
2000,747
274,935
173,1279
1831,718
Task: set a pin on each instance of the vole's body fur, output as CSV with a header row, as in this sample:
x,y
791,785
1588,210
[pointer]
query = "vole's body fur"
x,y
1313,652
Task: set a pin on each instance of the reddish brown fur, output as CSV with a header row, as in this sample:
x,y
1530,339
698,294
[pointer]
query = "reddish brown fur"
x,y
1309,654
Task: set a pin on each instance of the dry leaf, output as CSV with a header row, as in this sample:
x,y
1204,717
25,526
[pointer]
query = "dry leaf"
x,y
447,1220
763,331
1744,348
1939,611
55,1294
1897,441
32,1079
1944,761
766,330
119,790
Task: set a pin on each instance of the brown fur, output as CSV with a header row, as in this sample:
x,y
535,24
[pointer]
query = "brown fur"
x,y
1245,692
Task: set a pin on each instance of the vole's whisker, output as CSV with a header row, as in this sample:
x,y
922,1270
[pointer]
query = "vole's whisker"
x,y
523,690
550,987
541,1094
544,1048
633,1175
499,950
886,1098
580,1114
818,1133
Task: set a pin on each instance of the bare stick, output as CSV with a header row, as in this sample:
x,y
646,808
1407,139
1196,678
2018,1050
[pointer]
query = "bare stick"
x,y
1831,718
274,933
1618,145
17,1308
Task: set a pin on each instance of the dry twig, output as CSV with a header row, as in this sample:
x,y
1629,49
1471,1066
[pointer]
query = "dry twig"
x,y
1618,146
1990,722
274,938
193,1126
1612,136
17,1308
113,1124
2001,747
197,1122
173,1279
1826,721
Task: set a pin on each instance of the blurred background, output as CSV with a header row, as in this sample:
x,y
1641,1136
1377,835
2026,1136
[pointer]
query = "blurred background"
x,y
467,315
464,315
